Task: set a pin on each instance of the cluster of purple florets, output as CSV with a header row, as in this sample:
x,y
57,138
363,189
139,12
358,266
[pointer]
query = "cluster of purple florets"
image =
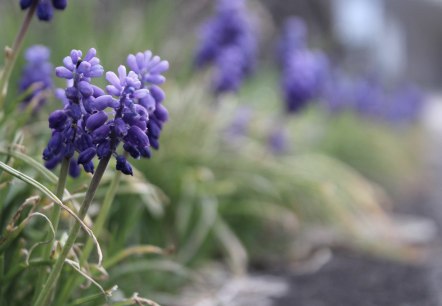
x,y
93,123
303,70
37,71
367,97
228,42
45,8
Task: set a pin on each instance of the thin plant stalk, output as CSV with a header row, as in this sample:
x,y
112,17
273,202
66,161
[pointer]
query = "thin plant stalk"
x,y
55,216
56,270
97,228
56,210
11,56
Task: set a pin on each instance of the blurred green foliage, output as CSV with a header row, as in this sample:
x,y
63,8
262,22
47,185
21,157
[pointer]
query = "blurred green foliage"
x,y
204,195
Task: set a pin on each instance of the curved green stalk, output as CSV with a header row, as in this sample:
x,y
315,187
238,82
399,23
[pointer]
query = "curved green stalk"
x,y
97,228
54,218
11,57
56,270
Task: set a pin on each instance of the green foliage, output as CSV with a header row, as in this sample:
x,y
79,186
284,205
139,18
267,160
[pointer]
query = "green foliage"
x,y
205,195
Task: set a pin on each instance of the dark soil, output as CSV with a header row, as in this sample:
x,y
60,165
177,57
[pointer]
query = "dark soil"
x,y
352,280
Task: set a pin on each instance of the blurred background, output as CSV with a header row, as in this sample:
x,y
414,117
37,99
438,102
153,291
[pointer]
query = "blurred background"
x,y
315,178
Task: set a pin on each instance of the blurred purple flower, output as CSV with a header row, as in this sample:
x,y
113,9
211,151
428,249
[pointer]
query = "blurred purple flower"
x,y
38,71
278,141
227,40
303,78
45,8
406,105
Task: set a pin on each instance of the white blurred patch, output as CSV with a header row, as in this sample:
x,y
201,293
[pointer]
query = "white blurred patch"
x,y
358,23
432,116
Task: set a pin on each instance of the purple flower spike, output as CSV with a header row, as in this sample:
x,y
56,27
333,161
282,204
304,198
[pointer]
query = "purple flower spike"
x,y
38,73
303,78
95,124
79,126
228,39
149,69
304,71
45,9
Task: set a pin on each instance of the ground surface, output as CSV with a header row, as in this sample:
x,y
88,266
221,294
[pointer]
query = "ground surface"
x,y
353,280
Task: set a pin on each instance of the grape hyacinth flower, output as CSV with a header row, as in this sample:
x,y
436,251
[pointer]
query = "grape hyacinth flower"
x,y
45,8
149,70
38,71
303,71
70,128
303,79
228,42
138,111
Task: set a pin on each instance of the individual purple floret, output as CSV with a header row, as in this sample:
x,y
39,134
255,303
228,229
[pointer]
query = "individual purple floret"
x,y
37,72
45,8
228,39
70,127
149,69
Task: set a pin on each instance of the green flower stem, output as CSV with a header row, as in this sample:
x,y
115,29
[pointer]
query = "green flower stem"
x,y
56,270
97,228
102,216
54,218
11,57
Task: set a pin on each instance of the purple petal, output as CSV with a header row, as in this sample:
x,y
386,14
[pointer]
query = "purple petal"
x,y
122,73
157,93
97,91
76,55
140,93
112,90
160,68
67,61
112,78
85,89
63,72
140,60
132,63
90,54
148,102
162,113
94,61
96,71
96,120
155,79
84,67
105,101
